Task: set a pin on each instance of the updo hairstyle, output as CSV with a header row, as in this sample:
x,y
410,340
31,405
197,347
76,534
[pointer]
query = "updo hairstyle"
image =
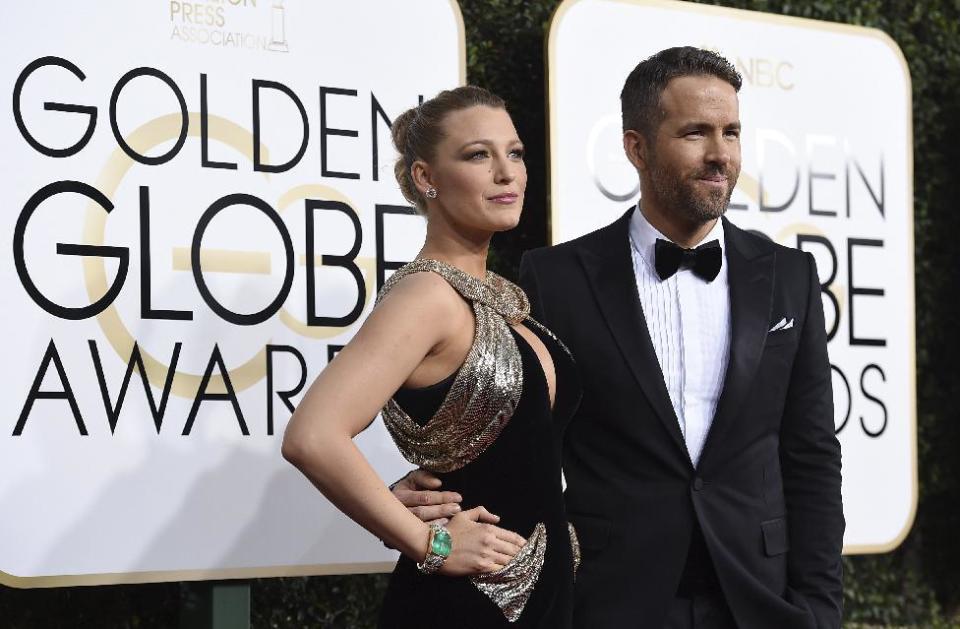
x,y
417,131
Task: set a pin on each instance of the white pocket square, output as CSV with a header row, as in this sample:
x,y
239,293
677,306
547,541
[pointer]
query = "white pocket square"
x,y
783,324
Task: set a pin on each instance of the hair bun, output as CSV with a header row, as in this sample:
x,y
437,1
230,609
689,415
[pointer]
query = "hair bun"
x,y
417,131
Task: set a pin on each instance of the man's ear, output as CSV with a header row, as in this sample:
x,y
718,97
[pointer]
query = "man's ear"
x,y
636,147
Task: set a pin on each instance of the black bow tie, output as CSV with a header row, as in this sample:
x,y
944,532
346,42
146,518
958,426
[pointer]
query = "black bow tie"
x,y
705,260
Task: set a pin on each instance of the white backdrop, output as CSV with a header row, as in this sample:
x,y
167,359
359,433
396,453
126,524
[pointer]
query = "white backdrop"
x,y
198,488
827,147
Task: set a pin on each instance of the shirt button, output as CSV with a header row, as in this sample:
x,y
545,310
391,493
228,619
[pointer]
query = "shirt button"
x,y
697,483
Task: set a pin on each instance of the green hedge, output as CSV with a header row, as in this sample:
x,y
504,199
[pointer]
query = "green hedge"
x,y
918,585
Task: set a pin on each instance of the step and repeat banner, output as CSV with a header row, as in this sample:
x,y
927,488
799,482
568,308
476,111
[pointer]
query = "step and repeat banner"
x,y
827,167
199,208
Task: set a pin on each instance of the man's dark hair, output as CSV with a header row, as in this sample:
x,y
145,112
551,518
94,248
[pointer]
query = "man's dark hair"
x,y
640,97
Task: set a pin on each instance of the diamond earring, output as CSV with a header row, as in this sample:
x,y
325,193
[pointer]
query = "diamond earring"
x,y
431,193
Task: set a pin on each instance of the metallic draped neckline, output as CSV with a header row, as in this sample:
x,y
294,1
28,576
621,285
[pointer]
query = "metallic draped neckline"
x,y
487,386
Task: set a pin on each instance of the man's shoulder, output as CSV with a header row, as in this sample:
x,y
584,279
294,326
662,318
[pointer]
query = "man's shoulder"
x,y
755,244
595,241
553,253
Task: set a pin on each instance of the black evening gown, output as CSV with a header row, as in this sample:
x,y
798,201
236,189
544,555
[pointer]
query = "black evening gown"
x,y
518,478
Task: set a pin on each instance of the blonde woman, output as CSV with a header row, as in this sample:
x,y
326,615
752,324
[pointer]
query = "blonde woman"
x,y
470,387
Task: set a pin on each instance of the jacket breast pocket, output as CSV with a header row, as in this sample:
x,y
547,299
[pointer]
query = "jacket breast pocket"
x,y
781,337
593,532
775,539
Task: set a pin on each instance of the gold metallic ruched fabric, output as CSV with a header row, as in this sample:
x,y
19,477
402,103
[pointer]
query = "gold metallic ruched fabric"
x,y
487,387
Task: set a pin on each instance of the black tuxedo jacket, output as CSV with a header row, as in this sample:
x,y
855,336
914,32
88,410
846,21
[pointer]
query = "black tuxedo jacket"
x,y
766,492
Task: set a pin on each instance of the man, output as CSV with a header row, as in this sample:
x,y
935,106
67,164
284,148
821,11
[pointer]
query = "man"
x,y
702,469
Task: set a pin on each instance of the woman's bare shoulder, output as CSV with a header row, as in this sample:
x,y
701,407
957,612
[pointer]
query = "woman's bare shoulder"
x,y
427,298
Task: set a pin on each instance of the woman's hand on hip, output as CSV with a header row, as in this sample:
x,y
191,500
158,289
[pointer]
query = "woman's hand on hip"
x,y
479,546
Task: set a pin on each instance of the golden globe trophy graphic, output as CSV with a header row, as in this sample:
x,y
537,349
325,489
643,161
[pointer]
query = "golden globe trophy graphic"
x,y
278,35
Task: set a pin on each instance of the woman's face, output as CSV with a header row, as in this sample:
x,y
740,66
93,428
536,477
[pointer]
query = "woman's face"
x,y
478,171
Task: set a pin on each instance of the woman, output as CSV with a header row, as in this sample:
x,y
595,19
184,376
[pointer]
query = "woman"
x,y
470,387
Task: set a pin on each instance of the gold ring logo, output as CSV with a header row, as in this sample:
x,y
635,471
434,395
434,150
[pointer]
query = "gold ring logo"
x,y
142,139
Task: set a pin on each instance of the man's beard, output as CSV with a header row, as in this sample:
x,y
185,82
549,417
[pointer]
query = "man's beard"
x,y
681,195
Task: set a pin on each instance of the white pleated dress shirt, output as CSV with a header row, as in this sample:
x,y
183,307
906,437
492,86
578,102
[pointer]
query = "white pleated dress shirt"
x,y
689,323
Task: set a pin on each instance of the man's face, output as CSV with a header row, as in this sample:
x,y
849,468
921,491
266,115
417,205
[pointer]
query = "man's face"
x,y
693,160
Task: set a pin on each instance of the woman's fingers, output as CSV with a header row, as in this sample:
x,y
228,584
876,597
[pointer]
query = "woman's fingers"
x,y
511,537
497,561
510,549
485,516
481,515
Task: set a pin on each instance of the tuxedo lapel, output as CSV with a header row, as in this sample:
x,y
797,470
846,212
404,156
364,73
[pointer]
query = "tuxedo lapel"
x,y
750,273
609,266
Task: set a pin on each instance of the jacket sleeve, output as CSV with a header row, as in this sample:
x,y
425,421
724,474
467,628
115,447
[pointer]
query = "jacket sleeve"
x,y
810,464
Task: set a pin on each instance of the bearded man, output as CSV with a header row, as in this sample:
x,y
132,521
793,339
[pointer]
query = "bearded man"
x,y
702,468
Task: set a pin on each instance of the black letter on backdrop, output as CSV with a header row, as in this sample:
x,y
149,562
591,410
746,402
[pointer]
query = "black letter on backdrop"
x,y
184,117
762,194
853,291
878,200
205,160
345,261
113,410
803,239
36,394
225,314
121,253
257,164
386,265
146,277
285,396
863,388
332,351
215,360
846,385
325,131
812,176
91,112
376,111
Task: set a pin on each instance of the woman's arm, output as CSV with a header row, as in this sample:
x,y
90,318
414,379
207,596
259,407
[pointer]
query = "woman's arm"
x,y
412,325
